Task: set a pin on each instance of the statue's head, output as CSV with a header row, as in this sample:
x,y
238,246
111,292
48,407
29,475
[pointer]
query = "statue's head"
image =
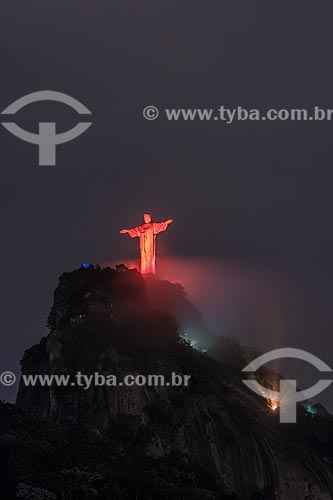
x,y
147,218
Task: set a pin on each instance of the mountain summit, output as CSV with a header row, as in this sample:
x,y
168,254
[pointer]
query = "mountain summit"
x,y
211,439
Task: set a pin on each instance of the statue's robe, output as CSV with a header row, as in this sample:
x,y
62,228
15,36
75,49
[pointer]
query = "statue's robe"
x,y
147,234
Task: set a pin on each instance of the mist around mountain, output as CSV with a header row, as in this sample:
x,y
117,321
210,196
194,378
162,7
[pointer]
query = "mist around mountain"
x,y
211,440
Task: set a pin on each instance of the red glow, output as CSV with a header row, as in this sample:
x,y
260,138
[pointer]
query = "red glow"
x,y
147,233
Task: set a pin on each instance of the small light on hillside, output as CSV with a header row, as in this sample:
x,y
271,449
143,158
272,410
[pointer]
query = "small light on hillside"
x,y
273,405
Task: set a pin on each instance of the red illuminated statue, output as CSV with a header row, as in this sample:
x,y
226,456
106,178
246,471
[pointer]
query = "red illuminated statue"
x,y
147,233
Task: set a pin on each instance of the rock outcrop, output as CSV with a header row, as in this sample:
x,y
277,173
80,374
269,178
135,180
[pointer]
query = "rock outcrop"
x,y
211,440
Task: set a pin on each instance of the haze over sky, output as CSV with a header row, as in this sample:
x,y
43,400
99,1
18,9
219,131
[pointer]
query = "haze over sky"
x,y
255,194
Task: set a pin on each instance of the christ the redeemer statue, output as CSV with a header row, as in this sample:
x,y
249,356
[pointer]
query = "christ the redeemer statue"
x,y
147,233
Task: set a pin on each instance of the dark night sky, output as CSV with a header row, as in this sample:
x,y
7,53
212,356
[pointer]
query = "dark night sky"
x,y
259,194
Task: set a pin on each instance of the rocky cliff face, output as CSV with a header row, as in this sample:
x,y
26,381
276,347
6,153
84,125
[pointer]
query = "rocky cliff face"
x,y
211,440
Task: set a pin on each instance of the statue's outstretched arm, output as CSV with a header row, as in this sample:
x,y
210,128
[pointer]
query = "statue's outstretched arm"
x,y
159,227
134,232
